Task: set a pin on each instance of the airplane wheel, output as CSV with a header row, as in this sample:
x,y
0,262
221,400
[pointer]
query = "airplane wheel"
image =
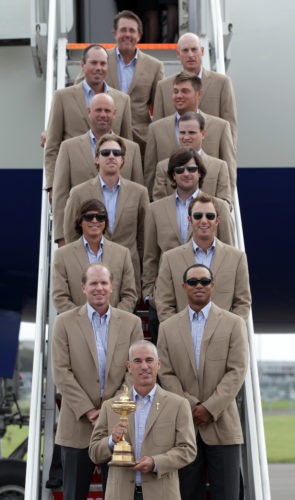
x,y
12,479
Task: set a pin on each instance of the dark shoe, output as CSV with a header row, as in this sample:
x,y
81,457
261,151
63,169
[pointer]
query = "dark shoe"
x,y
53,483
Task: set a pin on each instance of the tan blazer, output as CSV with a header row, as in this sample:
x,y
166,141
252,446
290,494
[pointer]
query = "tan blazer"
x,y
68,118
222,369
231,280
162,143
169,438
216,182
75,164
148,71
71,260
131,209
75,368
217,99
162,234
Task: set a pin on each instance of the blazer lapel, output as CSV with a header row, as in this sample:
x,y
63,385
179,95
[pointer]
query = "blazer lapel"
x,y
155,411
218,257
188,254
87,154
79,97
87,332
122,198
80,253
206,80
112,75
170,131
114,328
138,71
184,332
172,215
211,323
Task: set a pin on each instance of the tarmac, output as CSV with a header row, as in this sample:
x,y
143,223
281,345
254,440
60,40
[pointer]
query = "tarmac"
x,y
282,481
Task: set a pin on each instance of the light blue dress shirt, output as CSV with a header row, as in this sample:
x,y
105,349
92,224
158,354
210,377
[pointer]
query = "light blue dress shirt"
x,y
202,257
100,326
89,92
141,414
197,322
125,71
92,258
110,201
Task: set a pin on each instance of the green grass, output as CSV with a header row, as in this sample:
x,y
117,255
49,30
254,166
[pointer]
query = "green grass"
x,y
285,406
280,438
13,437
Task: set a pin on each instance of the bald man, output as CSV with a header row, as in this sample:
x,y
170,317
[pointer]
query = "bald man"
x,y
217,91
75,162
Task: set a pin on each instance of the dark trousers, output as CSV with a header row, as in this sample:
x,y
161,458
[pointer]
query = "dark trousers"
x,y
77,472
223,466
153,324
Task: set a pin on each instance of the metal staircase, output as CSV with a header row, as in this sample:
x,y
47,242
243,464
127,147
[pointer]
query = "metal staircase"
x,y
61,69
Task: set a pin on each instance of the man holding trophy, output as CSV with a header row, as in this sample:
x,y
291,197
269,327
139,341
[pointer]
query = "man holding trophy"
x,y
157,424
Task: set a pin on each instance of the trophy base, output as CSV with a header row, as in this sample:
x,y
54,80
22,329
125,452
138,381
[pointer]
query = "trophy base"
x,y
120,463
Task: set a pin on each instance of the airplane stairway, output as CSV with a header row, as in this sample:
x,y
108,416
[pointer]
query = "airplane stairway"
x,y
61,69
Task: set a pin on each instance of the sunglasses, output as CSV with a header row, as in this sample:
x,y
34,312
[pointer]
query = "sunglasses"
x,y
190,168
208,215
98,217
107,152
201,281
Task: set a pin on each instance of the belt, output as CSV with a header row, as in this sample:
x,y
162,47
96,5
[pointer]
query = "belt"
x,y
138,488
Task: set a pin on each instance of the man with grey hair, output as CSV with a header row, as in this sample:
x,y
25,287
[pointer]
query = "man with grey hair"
x,y
89,350
217,91
160,431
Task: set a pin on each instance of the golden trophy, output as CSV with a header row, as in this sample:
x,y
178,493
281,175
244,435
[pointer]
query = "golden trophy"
x,y
123,454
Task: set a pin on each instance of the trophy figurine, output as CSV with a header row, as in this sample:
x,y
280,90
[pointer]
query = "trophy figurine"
x,y
123,454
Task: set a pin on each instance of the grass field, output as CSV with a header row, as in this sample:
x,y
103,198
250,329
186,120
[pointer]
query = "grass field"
x,y
280,437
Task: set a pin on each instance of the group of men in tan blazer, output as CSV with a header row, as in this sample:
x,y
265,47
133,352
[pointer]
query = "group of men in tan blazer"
x,y
97,119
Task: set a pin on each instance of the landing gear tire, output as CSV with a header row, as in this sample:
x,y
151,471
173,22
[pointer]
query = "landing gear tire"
x,y
12,479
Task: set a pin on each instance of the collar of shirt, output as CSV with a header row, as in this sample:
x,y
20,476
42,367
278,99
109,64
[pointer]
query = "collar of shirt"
x,y
196,246
205,310
200,73
91,311
93,142
200,152
120,57
89,92
192,197
103,184
151,394
87,246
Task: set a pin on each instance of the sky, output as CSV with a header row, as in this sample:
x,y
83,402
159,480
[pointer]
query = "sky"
x,y
269,347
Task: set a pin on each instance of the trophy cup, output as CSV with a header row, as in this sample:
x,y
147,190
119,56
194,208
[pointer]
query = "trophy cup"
x,y
123,454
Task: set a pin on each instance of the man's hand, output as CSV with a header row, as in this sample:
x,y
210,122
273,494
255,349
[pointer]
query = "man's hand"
x,y
49,190
61,242
43,138
92,415
201,415
144,465
119,430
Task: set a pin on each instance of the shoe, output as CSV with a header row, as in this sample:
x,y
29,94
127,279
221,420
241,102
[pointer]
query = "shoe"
x,y
53,483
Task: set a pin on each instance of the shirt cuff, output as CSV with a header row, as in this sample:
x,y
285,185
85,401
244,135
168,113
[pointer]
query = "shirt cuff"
x,y
111,443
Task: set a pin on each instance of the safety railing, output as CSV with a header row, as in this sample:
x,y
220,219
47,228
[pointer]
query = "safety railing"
x,y
258,478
